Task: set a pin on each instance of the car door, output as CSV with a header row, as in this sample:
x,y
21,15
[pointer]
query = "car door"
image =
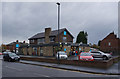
x,y
6,57
96,54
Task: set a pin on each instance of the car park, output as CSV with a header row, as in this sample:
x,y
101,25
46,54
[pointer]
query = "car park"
x,y
86,56
61,55
9,56
100,54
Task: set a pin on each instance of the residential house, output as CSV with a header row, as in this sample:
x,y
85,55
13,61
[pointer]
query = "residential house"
x,y
110,44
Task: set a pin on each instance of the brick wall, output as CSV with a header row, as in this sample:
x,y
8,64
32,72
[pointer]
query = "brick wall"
x,y
69,38
47,51
97,64
110,44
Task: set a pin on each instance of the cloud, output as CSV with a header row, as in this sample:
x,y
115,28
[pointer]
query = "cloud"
x,y
24,19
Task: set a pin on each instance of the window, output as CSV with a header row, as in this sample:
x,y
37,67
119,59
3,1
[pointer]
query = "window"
x,y
95,52
109,44
42,40
64,39
32,41
52,39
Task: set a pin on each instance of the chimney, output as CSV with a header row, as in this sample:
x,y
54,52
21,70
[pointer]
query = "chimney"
x,y
16,41
24,42
47,34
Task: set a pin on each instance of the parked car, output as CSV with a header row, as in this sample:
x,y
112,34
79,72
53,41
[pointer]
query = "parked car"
x,y
6,52
1,53
85,56
11,57
62,55
100,54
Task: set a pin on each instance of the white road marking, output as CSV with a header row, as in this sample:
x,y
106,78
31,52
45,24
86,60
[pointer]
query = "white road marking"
x,y
41,75
13,68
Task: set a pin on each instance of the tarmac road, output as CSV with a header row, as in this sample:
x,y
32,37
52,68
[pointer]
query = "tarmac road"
x,y
14,69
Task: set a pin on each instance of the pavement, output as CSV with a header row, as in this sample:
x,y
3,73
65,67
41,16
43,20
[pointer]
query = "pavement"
x,y
113,70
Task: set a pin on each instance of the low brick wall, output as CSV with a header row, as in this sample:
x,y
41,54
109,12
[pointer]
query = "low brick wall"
x,y
96,64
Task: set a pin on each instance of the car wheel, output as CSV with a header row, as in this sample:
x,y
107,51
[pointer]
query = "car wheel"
x,y
105,58
4,59
18,60
9,60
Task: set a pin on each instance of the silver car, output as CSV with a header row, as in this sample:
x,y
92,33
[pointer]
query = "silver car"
x,y
62,55
100,54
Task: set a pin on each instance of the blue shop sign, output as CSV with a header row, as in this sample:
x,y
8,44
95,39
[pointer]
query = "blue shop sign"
x,y
17,45
64,32
64,49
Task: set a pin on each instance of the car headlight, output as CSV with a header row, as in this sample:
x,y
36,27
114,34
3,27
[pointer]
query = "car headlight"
x,y
91,57
81,58
12,57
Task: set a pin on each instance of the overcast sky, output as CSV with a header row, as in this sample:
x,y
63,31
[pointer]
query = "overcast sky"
x,y
21,20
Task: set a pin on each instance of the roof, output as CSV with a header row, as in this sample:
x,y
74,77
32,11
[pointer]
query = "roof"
x,y
77,44
111,36
53,33
13,43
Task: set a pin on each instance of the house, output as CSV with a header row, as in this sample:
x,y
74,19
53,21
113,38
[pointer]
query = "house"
x,y
110,44
51,37
12,46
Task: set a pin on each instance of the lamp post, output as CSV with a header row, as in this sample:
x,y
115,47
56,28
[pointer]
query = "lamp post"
x,y
58,20
58,4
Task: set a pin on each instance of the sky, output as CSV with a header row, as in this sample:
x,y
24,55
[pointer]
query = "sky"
x,y
22,20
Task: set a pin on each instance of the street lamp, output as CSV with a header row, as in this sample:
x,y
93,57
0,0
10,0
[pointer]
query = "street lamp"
x,y
58,26
58,19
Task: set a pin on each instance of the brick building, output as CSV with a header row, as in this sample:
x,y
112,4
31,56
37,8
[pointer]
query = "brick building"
x,y
46,43
110,44
12,46
51,36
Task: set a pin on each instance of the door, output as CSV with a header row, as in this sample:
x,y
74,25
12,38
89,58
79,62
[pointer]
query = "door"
x,y
96,54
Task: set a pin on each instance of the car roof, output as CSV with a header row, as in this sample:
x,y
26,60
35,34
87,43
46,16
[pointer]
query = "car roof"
x,y
85,52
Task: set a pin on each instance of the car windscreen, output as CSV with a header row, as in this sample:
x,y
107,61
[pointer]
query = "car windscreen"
x,y
12,54
85,54
62,53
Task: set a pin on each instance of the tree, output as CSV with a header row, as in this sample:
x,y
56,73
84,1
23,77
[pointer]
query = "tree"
x,y
82,37
95,46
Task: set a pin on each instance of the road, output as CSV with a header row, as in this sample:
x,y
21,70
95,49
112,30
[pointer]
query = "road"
x,y
14,69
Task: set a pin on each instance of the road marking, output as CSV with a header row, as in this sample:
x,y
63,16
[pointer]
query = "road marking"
x,y
41,75
13,68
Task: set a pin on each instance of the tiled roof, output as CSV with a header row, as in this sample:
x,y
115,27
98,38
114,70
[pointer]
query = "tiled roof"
x,y
53,33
